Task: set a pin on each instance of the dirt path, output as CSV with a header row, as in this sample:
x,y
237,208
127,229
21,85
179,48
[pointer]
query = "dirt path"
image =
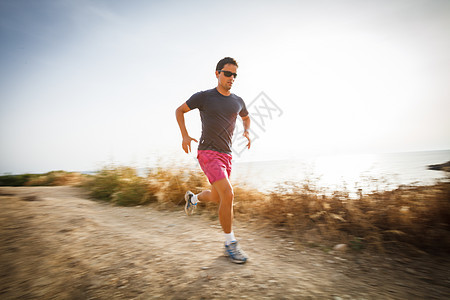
x,y
57,244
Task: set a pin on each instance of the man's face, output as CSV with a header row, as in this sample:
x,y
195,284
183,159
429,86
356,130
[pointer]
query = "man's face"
x,y
226,82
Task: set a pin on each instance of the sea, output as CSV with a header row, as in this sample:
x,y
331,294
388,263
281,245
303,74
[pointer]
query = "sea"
x,y
353,173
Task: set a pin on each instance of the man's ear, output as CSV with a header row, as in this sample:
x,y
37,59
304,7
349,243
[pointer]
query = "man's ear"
x,y
217,74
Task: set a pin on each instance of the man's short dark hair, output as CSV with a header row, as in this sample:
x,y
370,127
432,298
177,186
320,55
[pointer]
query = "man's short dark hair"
x,y
224,61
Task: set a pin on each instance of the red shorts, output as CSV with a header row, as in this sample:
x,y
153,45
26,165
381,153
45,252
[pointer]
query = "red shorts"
x,y
215,165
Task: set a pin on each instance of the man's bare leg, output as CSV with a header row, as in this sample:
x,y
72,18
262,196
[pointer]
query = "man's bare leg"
x,y
225,191
222,193
209,195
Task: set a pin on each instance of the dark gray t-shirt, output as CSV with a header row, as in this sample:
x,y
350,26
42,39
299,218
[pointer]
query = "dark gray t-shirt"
x,y
218,114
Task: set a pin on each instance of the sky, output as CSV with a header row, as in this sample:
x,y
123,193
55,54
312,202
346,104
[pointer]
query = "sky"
x,y
86,83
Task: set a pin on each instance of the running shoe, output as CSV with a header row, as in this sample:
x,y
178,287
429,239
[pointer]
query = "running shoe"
x,y
235,253
190,207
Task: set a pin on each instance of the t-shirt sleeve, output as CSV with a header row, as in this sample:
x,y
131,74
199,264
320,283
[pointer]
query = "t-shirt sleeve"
x,y
244,111
196,101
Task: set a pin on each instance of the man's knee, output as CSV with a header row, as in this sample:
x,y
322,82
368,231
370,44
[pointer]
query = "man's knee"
x,y
225,190
229,194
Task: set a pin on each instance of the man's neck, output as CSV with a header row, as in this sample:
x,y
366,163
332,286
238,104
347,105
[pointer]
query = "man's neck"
x,y
223,91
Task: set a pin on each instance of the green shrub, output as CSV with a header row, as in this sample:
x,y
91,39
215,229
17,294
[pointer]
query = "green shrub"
x,y
16,180
121,186
136,191
104,184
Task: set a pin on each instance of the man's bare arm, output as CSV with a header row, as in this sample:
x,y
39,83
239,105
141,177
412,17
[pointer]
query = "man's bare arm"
x,y
186,143
246,123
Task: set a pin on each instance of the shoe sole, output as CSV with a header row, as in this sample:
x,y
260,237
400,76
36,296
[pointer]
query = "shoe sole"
x,y
240,262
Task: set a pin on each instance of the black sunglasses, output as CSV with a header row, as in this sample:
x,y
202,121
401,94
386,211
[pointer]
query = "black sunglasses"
x,y
228,73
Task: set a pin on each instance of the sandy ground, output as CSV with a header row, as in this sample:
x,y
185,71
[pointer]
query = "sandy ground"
x,y
55,243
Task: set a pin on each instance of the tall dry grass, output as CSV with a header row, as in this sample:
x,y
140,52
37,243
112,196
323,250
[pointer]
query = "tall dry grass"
x,y
411,218
170,184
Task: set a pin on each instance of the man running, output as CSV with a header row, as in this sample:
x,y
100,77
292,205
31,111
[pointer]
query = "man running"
x,y
219,109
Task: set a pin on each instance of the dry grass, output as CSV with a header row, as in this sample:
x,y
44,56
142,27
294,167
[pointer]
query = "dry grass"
x,y
411,218
170,184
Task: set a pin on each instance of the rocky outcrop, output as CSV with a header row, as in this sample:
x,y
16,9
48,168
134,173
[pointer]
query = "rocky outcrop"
x,y
440,167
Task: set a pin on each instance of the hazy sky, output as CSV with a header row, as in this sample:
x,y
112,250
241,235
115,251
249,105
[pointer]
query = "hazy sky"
x,y
86,83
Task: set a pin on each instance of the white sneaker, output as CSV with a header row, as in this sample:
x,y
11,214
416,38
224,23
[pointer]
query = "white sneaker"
x,y
235,253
